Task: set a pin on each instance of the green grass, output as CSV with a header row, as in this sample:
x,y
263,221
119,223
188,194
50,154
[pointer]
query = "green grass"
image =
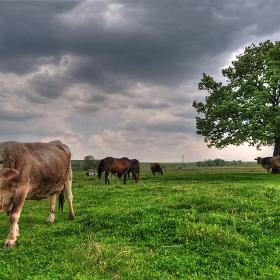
x,y
211,223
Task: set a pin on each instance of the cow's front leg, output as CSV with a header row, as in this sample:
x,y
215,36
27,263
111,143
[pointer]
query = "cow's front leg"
x,y
52,209
14,214
14,230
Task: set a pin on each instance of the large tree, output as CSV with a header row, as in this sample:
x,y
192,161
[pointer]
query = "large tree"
x,y
246,108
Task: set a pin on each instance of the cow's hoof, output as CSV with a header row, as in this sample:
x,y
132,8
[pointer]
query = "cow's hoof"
x,y
9,245
71,217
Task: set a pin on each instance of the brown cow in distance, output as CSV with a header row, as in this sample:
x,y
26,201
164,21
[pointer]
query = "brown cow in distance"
x,y
156,168
33,171
269,163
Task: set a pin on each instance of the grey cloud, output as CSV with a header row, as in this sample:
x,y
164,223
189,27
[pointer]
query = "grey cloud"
x,y
161,126
151,105
12,114
47,85
170,127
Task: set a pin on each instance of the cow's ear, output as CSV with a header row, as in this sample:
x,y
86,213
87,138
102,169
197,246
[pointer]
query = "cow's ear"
x,y
8,173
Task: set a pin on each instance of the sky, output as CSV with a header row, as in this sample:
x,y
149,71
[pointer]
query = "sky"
x,y
118,78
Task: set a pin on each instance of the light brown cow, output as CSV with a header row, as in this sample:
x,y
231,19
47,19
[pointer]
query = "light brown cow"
x,y
33,171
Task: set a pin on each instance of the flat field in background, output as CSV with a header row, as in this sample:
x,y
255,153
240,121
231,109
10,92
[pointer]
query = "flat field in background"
x,y
192,223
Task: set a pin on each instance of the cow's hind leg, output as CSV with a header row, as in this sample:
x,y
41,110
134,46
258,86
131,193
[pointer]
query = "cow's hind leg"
x,y
52,209
69,196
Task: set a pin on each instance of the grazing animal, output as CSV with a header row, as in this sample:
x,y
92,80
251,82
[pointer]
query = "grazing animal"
x,y
136,164
155,167
269,163
33,171
116,165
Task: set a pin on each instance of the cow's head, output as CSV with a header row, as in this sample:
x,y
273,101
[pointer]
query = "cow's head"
x,y
259,160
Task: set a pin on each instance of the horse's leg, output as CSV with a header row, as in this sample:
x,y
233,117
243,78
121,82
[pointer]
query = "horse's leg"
x,y
107,181
117,176
124,177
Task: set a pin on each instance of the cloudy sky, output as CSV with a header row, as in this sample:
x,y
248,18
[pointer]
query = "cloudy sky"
x,y
118,78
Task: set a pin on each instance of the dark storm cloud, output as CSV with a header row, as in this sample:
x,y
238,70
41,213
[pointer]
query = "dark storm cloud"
x,y
29,30
161,43
47,85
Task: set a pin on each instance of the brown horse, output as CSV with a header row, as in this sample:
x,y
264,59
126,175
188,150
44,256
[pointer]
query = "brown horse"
x,y
116,165
156,168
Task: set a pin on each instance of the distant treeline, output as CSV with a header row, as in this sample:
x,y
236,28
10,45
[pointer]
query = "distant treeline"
x,y
89,162
218,162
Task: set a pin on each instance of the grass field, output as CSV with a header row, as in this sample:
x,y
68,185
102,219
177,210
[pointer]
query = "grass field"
x,y
192,223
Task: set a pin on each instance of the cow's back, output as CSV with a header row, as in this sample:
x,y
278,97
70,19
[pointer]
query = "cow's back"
x,y
275,162
44,167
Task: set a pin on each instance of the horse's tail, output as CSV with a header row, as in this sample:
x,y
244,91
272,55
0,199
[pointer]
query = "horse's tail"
x,y
61,200
100,169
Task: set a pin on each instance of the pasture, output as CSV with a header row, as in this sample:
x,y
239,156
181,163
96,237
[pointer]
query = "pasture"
x,y
192,223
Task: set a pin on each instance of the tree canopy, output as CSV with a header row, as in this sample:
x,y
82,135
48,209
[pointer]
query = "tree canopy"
x,y
246,108
90,162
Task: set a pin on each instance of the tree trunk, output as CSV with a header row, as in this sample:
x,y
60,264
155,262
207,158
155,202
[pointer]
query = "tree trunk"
x,y
276,152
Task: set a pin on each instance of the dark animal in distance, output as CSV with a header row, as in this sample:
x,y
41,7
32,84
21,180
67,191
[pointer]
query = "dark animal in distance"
x,y
116,165
269,163
33,171
156,168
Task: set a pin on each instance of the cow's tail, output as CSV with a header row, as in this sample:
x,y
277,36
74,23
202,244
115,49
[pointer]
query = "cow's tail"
x,y
61,200
100,169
